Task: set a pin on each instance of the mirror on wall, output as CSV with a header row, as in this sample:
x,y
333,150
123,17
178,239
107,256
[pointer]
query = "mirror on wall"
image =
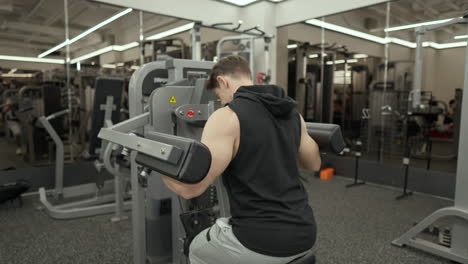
x,y
357,69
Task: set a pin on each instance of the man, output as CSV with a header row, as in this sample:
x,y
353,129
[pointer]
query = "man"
x,y
12,123
257,141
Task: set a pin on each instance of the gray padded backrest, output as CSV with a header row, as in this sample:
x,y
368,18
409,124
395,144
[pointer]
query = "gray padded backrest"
x,y
201,95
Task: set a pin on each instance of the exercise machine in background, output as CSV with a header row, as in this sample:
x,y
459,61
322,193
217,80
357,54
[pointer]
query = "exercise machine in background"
x,y
107,195
459,211
244,45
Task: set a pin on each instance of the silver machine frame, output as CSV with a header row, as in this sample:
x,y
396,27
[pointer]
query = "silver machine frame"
x,y
251,39
100,203
147,228
458,251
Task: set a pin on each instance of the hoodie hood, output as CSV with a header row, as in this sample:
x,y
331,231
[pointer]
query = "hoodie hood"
x,y
271,96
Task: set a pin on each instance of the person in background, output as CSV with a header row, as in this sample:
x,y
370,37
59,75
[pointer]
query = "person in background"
x,y
11,120
448,119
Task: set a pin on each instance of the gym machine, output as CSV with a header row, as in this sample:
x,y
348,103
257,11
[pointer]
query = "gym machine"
x,y
107,99
32,103
244,45
169,106
457,251
12,95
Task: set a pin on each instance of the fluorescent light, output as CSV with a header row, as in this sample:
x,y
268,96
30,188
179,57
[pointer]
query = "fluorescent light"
x,y
105,50
360,56
12,70
135,67
100,25
444,45
430,44
450,45
240,2
352,32
292,46
120,64
92,54
401,42
417,25
171,32
17,75
461,37
342,61
31,59
47,52
126,46
86,32
380,40
313,56
109,66
78,66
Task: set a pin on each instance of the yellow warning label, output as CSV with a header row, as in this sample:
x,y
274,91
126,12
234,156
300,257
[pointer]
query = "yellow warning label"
x,y
173,100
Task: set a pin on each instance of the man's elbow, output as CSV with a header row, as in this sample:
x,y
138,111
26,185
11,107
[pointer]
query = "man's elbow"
x,y
318,163
192,192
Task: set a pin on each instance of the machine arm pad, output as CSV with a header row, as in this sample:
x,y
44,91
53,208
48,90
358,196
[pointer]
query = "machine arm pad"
x,y
189,162
327,136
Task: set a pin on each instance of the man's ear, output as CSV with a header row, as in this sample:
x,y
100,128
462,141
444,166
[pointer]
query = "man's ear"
x,y
222,81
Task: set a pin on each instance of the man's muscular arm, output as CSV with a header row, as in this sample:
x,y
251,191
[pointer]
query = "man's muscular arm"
x,y
220,134
309,156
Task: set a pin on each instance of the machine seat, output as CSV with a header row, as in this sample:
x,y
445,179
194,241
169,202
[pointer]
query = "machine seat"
x,y
308,258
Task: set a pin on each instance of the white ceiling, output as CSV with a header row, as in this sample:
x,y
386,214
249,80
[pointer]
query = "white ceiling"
x,y
248,2
29,27
404,12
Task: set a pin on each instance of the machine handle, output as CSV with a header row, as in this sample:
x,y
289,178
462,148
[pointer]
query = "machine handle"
x,y
57,114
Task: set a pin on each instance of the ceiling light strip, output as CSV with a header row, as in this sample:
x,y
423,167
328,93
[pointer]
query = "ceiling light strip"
x,y
380,40
105,50
171,32
86,32
461,37
417,25
240,2
17,75
345,30
31,59
130,45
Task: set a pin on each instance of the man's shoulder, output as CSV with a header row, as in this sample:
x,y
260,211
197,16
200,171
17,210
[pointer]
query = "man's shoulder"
x,y
226,119
225,113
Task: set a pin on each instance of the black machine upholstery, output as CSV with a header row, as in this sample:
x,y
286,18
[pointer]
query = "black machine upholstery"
x,y
308,258
327,136
104,86
189,162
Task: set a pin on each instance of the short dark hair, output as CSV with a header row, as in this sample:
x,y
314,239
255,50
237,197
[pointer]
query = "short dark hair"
x,y
230,65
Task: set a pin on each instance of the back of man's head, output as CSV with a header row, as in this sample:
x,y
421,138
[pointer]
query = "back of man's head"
x,y
234,66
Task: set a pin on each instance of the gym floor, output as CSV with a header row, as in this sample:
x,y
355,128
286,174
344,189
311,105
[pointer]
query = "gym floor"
x,y
355,226
8,158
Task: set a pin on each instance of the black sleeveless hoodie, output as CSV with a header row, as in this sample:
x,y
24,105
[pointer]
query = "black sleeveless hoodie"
x,y
269,208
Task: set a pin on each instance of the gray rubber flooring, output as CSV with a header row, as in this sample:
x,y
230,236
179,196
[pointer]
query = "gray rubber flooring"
x,y
8,157
355,226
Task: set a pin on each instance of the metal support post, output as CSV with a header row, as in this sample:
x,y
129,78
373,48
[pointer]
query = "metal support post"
x,y
196,42
357,155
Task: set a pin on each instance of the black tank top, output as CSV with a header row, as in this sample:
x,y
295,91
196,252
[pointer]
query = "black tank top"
x,y
269,205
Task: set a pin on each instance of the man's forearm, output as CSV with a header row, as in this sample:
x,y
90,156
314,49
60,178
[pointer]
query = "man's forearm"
x,y
312,162
187,191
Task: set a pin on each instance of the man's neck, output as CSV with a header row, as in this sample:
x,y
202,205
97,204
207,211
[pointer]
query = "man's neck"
x,y
241,83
